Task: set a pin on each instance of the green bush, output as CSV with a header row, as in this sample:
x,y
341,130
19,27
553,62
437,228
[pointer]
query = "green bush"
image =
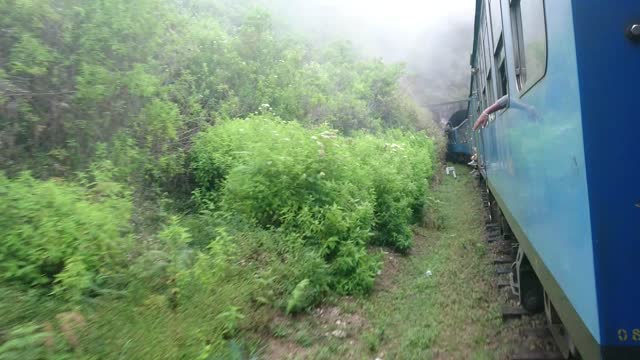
x,y
399,165
62,234
334,195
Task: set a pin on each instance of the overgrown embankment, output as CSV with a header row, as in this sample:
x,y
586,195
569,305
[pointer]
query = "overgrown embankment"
x,y
286,217
436,303
175,174
441,303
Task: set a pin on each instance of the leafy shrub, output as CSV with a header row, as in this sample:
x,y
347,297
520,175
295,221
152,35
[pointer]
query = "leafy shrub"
x,y
330,193
62,234
161,260
400,165
278,175
25,342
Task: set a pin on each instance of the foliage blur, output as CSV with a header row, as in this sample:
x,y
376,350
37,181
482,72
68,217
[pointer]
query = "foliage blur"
x,y
177,172
138,79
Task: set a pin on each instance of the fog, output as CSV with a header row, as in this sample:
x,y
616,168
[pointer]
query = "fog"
x,y
432,37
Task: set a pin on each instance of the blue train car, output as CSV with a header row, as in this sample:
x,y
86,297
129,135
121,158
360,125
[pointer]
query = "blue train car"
x,y
459,137
560,160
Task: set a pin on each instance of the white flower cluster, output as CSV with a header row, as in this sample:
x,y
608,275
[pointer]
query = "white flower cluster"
x,y
393,147
265,109
329,134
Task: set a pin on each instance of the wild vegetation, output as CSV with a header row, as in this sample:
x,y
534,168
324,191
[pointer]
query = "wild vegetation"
x,y
438,303
177,172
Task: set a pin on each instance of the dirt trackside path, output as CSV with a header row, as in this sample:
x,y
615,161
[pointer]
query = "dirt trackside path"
x,y
437,303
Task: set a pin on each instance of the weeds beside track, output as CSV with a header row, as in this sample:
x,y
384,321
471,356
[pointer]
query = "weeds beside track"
x,y
436,303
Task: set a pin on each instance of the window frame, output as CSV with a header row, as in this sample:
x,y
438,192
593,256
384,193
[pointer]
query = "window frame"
x,y
482,69
490,87
487,55
495,8
500,60
518,43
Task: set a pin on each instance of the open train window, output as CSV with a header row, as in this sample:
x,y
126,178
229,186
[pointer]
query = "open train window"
x,y
496,19
501,66
482,69
491,96
530,41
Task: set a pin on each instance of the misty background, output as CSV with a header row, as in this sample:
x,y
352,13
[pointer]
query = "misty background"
x,y
432,37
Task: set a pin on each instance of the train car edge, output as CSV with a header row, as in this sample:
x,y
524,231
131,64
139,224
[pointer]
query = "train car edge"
x,y
609,217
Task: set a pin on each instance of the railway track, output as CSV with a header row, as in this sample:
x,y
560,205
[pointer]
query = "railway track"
x,y
534,340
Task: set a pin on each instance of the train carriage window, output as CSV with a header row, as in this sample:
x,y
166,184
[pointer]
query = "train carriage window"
x,y
501,66
481,62
478,88
487,45
482,68
484,98
491,96
503,85
496,19
530,41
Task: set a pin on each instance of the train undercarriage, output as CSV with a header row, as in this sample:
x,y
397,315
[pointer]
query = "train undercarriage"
x,y
525,283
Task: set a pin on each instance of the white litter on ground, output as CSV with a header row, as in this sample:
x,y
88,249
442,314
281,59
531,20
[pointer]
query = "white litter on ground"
x,y
451,170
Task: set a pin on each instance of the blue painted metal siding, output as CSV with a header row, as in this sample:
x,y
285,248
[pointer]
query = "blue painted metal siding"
x,y
461,139
609,68
460,149
535,157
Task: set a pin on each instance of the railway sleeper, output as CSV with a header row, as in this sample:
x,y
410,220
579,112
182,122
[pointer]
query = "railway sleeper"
x,y
539,332
505,250
492,240
538,355
493,226
503,260
510,312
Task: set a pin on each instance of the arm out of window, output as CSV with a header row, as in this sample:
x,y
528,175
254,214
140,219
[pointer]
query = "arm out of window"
x,y
484,117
